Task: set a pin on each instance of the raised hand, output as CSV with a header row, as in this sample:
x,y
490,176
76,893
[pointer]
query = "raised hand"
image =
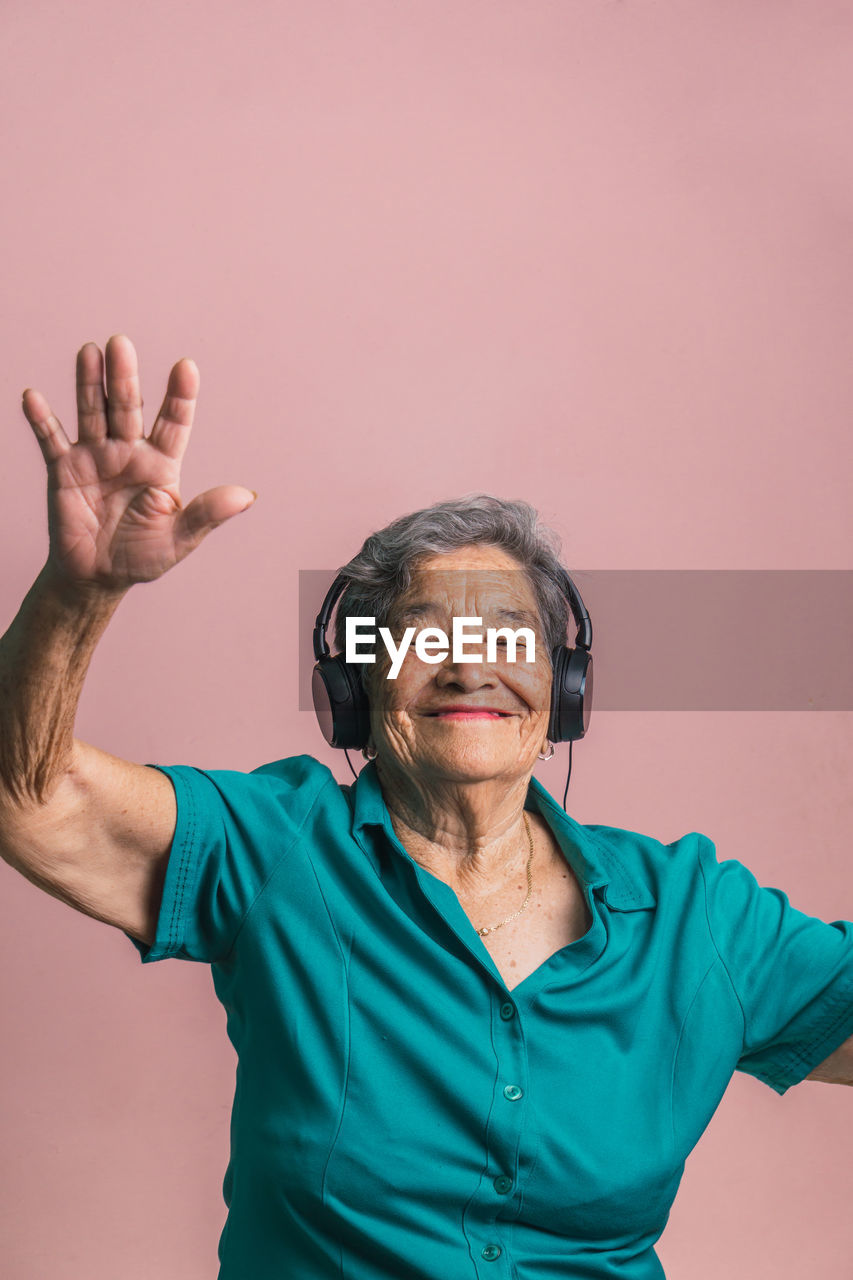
x,y
115,515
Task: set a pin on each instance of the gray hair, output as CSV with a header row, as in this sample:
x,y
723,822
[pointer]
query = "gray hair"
x,y
382,570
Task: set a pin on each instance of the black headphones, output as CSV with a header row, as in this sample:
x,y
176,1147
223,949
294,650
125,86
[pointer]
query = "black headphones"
x,y
342,707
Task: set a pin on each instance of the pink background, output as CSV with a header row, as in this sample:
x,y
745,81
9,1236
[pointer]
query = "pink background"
x,y
595,255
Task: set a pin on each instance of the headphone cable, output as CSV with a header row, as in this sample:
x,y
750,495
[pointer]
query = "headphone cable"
x,y
568,775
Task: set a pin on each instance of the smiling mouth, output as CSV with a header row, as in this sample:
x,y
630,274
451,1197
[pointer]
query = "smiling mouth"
x,y
472,713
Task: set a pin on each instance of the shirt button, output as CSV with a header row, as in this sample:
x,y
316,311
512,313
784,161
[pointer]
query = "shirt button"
x,y
507,1010
513,1092
503,1184
491,1252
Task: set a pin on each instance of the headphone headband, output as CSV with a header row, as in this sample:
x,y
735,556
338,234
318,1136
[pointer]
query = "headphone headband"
x,y
583,639
321,647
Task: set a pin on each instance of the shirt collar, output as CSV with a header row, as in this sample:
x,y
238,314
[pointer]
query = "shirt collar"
x,y
596,863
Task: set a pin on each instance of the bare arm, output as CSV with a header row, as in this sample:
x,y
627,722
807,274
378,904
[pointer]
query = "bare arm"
x,y
838,1067
88,828
85,826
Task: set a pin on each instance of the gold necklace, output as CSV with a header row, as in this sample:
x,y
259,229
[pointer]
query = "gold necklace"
x,y
491,928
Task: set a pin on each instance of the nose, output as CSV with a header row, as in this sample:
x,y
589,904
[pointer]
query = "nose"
x,y
468,676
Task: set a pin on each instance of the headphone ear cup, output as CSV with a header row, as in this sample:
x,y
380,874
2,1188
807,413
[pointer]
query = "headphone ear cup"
x,y
340,702
571,693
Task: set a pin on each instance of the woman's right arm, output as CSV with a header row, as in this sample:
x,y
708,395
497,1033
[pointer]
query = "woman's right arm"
x,y
85,826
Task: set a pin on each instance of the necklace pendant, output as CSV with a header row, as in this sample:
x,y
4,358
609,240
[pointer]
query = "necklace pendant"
x,y
483,932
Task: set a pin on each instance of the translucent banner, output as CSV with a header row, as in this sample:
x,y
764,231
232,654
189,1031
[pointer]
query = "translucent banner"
x,y
692,639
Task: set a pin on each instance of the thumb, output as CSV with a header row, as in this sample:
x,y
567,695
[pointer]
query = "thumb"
x,y
211,508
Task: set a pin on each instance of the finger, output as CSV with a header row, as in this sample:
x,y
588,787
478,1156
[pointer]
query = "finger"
x,y
48,429
171,432
91,401
208,510
124,398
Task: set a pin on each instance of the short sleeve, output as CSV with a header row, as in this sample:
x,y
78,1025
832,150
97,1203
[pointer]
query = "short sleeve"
x,y
232,831
792,973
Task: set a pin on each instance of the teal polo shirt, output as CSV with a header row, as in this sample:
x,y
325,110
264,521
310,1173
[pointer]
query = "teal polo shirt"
x,y
399,1113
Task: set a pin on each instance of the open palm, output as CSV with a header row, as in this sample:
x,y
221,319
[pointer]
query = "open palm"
x,y
115,515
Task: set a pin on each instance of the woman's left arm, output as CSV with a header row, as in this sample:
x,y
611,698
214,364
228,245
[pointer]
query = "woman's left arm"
x,y
837,1068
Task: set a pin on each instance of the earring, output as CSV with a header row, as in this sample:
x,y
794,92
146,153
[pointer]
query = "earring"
x,y
369,752
550,755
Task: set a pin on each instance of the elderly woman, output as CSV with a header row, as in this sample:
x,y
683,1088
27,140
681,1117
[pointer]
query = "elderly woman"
x,y
475,1037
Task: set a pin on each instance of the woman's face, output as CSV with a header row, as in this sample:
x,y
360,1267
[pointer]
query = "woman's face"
x,y
430,719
